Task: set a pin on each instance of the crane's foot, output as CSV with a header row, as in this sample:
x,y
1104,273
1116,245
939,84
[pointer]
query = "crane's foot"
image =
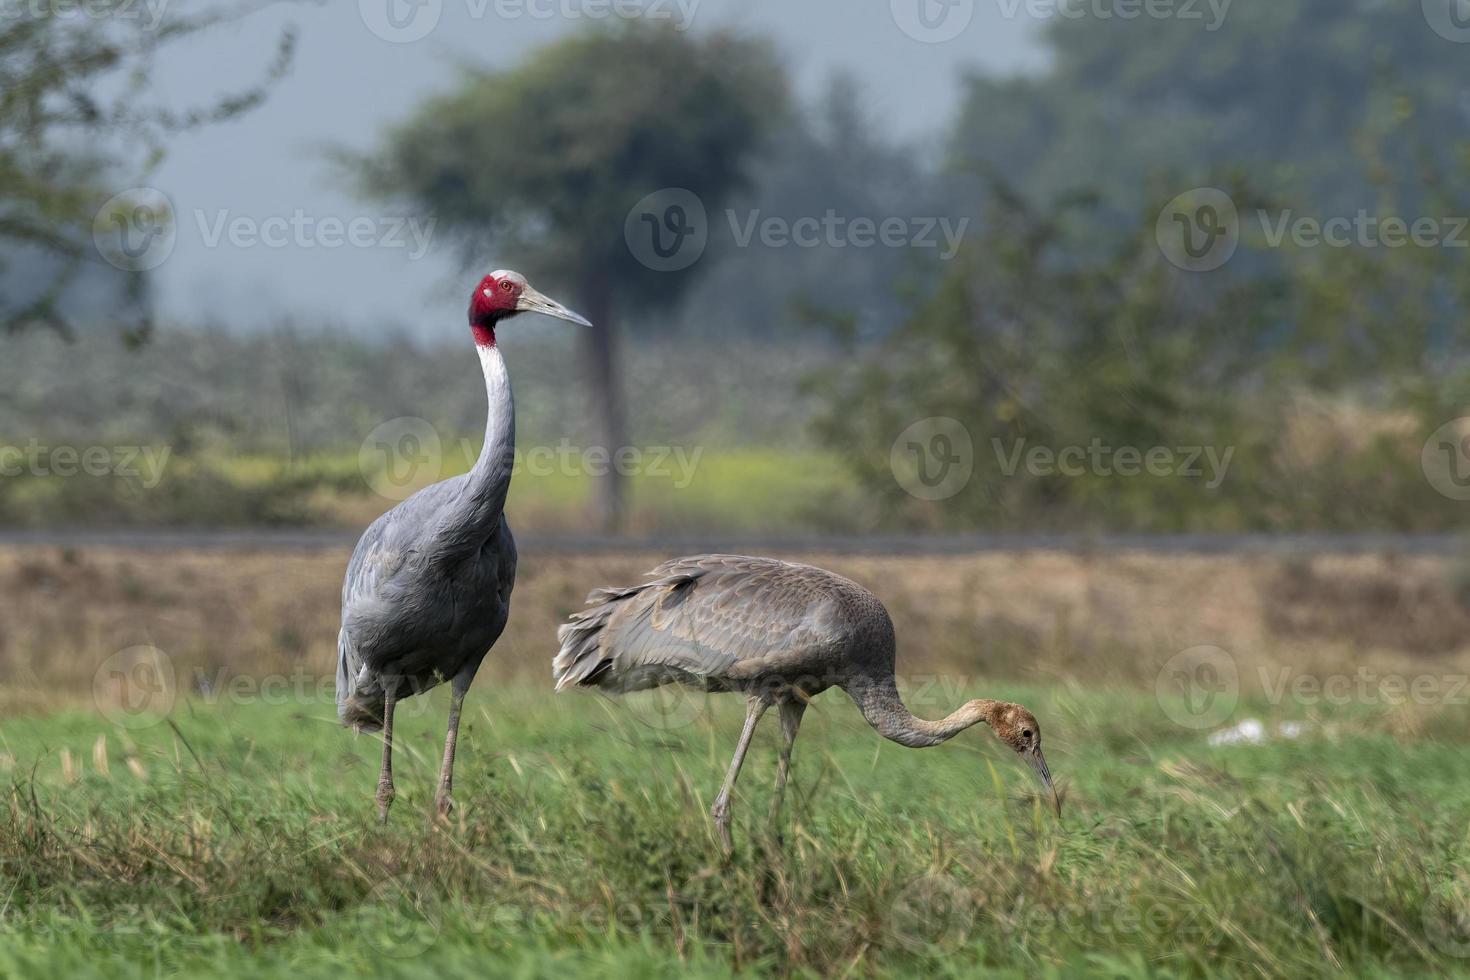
x,y
721,814
443,805
385,800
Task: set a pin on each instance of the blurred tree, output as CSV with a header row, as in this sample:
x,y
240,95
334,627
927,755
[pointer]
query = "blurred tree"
x,y
1025,343
1288,89
1335,109
833,157
1032,342
1062,323
74,108
546,161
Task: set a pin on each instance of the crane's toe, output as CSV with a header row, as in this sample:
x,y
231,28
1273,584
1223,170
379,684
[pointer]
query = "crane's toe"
x,y
721,814
443,805
385,800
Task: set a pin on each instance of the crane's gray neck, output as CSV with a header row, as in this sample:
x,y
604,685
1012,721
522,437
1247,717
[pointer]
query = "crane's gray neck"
x,y
885,711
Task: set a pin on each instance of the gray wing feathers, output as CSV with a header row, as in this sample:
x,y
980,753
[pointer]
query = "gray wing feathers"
x,y
695,621
374,562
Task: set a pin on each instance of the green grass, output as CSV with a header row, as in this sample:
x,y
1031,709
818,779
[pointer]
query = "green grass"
x,y
727,489
241,839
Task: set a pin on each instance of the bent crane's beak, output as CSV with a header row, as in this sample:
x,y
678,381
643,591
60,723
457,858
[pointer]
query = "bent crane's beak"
x,y
531,301
1037,762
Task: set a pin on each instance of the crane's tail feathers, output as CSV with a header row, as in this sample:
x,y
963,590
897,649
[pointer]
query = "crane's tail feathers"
x,y
362,712
584,657
589,653
359,702
580,659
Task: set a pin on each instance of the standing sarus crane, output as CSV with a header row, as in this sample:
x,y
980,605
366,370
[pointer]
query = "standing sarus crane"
x,y
427,591
777,632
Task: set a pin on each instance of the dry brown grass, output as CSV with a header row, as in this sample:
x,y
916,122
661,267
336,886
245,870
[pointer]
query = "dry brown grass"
x,y
1373,604
1035,615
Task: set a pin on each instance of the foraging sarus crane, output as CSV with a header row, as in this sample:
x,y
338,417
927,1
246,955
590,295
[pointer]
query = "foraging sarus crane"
x,y
777,632
427,591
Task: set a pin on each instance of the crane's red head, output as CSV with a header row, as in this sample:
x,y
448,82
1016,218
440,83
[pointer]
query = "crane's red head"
x,y
503,294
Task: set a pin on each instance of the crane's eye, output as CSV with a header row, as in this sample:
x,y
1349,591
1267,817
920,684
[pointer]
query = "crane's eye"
x,y
506,285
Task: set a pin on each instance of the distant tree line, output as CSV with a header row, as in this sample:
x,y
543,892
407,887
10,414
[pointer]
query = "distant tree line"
x,y
66,148
1323,365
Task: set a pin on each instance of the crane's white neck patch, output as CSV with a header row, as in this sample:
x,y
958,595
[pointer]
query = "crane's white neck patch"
x,y
497,378
500,425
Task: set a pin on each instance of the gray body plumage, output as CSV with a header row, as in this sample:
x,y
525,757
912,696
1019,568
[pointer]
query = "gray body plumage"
x,y
427,591
417,609
729,622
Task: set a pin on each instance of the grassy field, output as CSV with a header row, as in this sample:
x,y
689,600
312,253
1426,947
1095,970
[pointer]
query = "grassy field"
x,y
241,838
229,827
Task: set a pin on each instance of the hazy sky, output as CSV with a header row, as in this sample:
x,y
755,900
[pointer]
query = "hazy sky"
x,y
255,202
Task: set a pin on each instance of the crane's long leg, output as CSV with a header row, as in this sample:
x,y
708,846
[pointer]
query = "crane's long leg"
x,y
721,809
385,775
791,712
443,802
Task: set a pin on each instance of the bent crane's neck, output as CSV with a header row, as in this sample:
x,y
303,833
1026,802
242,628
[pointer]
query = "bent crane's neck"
x,y
885,711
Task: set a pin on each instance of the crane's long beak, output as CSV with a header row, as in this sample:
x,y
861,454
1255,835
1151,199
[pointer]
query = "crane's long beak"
x,y
1037,762
533,302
